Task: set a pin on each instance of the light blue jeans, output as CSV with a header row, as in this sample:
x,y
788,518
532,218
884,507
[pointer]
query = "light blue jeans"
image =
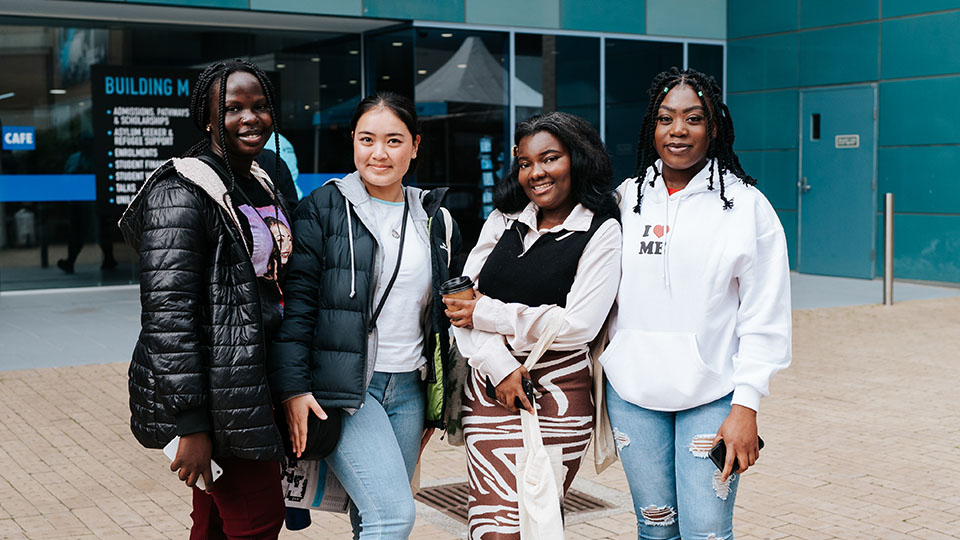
x,y
675,486
377,454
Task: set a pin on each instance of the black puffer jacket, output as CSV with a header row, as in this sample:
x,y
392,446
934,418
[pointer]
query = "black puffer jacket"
x,y
332,287
201,349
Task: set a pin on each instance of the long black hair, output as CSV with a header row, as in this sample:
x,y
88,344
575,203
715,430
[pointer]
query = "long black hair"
x,y
591,173
398,104
200,99
719,130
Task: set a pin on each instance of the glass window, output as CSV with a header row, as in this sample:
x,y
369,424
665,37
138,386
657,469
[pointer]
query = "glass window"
x,y
558,73
54,228
630,68
462,97
706,59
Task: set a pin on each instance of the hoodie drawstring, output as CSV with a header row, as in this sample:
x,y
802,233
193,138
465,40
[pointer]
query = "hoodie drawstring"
x,y
353,267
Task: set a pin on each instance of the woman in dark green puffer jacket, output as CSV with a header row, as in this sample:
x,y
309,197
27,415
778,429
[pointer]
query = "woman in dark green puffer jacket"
x,y
362,324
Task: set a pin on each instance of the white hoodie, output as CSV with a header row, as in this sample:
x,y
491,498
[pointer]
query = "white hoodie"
x,y
704,301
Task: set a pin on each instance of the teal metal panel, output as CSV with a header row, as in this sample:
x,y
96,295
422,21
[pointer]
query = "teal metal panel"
x,y
837,231
923,179
429,10
815,13
627,16
899,102
537,13
917,46
753,17
320,7
788,219
762,63
234,4
707,20
839,55
925,247
776,174
764,120
895,8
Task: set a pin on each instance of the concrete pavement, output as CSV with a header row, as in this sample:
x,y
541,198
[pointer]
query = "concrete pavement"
x,y
862,432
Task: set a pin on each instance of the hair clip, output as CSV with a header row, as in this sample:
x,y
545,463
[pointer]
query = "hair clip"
x,y
516,150
666,89
699,93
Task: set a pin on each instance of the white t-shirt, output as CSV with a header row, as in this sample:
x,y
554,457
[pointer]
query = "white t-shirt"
x,y
399,331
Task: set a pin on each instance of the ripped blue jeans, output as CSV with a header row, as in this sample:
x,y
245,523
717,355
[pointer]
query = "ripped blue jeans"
x,y
675,487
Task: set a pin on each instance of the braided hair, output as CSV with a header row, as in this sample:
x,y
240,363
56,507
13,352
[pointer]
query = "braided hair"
x,y
218,73
719,130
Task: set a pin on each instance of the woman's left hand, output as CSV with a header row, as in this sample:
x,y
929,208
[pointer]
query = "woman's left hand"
x,y
739,434
460,312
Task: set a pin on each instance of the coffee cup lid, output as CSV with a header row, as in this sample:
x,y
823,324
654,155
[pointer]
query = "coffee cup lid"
x,y
455,285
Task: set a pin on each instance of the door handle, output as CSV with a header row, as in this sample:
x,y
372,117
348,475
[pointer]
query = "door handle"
x,y
803,185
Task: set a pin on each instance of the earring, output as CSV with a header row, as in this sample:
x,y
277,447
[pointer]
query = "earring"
x,y
208,127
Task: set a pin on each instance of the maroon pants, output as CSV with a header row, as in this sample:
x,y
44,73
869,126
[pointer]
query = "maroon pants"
x,y
246,502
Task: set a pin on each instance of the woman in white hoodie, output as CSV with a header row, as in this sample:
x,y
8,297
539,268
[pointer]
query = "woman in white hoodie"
x,y
703,314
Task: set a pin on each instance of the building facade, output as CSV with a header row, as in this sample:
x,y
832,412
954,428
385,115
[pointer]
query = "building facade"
x,y
93,98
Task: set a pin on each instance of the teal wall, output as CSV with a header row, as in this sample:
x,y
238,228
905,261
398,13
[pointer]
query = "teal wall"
x,y
909,48
655,17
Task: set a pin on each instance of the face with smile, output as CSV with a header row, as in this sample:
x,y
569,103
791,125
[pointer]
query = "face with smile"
x,y
544,173
247,121
681,136
382,150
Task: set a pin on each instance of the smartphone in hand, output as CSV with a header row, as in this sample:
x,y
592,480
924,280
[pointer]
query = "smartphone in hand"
x,y
527,389
170,450
718,454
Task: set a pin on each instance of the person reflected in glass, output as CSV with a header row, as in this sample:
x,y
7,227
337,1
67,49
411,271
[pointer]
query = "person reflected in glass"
x,y
703,314
552,241
364,319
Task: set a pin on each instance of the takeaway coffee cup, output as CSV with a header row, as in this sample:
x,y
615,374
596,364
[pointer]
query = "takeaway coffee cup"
x,y
460,288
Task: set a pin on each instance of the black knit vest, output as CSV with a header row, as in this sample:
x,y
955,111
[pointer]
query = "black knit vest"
x,y
541,276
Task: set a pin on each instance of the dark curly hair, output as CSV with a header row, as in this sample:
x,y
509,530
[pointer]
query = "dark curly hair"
x,y
200,99
720,150
591,173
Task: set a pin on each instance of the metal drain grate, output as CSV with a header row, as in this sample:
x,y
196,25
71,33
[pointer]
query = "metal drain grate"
x,y
451,499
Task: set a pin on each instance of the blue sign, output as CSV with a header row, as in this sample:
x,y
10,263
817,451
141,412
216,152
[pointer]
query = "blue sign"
x,y
19,138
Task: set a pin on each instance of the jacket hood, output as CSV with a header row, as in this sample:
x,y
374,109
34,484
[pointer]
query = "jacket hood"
x,y
193,171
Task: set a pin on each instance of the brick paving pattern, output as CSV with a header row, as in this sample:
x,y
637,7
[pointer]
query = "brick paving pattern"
x,y
862,432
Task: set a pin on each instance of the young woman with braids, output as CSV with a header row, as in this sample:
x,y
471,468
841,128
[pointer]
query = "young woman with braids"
x,y
703,314
552,241
211,304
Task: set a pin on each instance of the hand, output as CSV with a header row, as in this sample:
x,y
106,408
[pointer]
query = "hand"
x,y
511,388
298,410
460,312
193,459
739,433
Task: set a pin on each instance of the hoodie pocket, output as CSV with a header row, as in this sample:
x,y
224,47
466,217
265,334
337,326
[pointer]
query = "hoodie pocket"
x,y
659,370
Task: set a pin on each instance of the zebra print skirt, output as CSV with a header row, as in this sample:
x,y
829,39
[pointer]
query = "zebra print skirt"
x,y
563,382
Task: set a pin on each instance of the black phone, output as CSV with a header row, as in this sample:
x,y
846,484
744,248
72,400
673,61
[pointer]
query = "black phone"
x,y
718,454
491,391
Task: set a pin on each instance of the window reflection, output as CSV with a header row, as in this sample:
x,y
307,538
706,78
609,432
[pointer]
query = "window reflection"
x,y
462,96
558,73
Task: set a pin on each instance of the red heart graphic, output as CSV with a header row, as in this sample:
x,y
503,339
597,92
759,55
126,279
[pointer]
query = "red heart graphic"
x,y
660,230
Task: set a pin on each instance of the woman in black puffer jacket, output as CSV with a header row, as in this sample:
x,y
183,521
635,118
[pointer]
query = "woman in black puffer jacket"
x,y
206,228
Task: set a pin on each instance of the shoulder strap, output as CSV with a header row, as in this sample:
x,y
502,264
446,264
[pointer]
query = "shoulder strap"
x,y
546,338
448,231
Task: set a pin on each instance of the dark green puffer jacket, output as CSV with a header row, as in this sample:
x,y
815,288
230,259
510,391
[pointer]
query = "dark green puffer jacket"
x,y
332,287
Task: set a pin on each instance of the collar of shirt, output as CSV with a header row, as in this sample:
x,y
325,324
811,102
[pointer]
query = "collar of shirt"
x,y
579,218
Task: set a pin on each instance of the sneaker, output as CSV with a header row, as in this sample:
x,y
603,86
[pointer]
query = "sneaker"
x,y
65,265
